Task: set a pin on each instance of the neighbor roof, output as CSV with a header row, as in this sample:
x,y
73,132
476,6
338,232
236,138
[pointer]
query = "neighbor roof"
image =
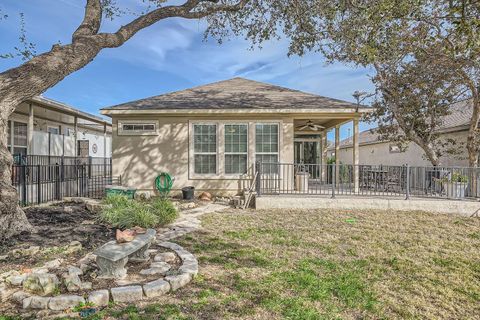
x,y
236,93
458,119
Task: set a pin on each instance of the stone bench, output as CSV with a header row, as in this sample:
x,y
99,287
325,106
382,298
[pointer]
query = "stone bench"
x,y
112,256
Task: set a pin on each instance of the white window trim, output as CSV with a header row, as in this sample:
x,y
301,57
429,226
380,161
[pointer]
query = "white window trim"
x,y
251,150
122,132
247,153
11,143
191,142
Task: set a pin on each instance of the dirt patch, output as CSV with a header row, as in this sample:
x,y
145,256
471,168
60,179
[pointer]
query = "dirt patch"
x,y
60,225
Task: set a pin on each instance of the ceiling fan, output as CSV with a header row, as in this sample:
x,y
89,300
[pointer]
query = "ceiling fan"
x,y
310,126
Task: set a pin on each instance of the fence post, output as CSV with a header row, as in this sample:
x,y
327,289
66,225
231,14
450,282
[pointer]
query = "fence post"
x,y
334,179
24,184
39,185
258,172
89,166
57,182
407,189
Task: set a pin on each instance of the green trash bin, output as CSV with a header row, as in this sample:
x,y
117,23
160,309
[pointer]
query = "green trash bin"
x,y
119,190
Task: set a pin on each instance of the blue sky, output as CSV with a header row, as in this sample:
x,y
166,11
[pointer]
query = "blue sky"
x,y
168,56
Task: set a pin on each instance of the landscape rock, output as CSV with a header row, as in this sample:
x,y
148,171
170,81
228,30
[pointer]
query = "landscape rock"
x,y
74,246
165,257
7,274
6,292
3,258
19,296
74,271
156,288
16,280
72,282
189,268
41,283
53,264
178,281
39,270
63,302
99,298
206,196
36,302
154,271
127,294
87,259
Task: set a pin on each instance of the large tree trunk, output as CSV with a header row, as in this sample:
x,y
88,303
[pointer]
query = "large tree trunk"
x,y
12,217
20,84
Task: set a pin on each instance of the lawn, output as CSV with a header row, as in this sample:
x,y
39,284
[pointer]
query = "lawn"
x,y
328,265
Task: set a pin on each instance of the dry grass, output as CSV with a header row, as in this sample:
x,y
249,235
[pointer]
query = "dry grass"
x,y
330,265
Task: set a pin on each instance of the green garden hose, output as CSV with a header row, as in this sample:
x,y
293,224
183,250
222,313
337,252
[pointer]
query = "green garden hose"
x,y
164,183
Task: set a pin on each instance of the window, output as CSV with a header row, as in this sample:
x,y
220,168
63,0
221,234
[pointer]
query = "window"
x,y
205,148
17,135
53,130
266,143
139,127
236,148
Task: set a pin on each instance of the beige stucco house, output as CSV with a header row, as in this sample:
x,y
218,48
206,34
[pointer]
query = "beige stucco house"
x,y
374,151
211,136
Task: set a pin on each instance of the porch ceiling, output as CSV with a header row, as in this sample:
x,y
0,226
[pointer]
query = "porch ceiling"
x,y
325,122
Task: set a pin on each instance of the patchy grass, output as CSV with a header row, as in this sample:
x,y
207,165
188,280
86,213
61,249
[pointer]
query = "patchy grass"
x,y
328,265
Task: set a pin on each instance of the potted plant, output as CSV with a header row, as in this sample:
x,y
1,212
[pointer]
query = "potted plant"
x,y
456,185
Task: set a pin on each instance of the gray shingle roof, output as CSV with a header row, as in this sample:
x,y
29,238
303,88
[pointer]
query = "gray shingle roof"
x,y
461,113
234,94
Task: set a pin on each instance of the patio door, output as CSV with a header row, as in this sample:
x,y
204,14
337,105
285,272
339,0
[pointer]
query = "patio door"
x,y
308,152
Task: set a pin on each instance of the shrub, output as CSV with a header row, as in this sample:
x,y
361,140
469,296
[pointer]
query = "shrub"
x,y
122,212
164,210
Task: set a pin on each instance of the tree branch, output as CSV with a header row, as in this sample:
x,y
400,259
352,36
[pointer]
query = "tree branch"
x,y
91,20
111,40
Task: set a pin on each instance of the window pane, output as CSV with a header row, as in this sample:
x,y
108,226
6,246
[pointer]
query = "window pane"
x,y
266,136
235,163
205,164
53,130
20,134
205,138
236,137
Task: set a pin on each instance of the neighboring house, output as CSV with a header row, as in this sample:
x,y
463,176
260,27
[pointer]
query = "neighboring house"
x,y
376,152
211,136
44,127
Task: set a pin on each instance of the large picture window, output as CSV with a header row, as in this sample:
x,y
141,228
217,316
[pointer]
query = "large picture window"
x,y
266,145
205,148
236,148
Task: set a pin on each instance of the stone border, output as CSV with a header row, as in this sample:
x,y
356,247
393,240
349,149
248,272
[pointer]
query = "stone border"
x,y
124,294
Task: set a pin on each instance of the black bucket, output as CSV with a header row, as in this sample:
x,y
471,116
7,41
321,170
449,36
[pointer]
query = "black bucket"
x,y
188,193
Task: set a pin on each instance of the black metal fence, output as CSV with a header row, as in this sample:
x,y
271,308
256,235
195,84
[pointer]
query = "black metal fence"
x,y
66,160
368,180
39,183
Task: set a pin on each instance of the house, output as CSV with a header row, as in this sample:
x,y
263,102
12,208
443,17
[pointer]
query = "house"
x,y
211,136
374,151
42,127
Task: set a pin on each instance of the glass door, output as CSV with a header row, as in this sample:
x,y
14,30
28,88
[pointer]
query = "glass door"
x,y
307,152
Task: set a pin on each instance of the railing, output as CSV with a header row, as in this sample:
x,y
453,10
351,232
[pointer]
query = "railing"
x,y
66,160
38,184
394,181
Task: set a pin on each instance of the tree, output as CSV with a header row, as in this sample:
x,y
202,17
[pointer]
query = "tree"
x,y
412,101
257,20
381,33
